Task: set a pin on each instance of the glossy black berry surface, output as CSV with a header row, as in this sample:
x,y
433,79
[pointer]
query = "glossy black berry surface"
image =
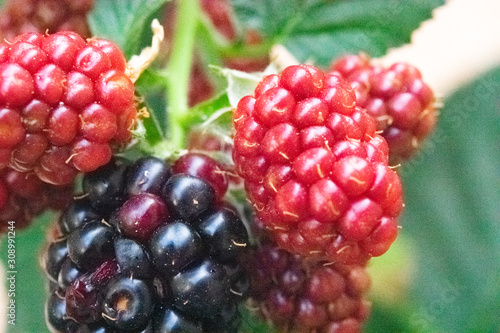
x,y
224,234
105,187
147,174
91,244
174,246
202,290
167,319
128,303
55,312
132,258
188,198
146,249
54,258
79,212
68,273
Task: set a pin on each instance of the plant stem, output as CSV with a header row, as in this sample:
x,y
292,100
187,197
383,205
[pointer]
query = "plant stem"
x,y
179,68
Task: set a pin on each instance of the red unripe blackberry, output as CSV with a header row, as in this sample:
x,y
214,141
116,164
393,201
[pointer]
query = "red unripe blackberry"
x,y
219,12
397,97
20,16
23,196
315,170
65,104
295,294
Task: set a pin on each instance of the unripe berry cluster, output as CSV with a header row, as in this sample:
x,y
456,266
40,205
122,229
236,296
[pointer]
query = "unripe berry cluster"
x,y
315,169
65,103
299,295
23,196
397,97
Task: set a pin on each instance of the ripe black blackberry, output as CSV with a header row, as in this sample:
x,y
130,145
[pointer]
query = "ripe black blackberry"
x,y
147,246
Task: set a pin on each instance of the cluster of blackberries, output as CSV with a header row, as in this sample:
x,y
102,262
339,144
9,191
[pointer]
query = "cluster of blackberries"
x,y
295,294
148,247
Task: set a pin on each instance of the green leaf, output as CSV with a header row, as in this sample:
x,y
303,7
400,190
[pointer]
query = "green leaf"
x,y
30,282
125,22
269,17
151,86
251,324
217,109
452,215
323,30
240,84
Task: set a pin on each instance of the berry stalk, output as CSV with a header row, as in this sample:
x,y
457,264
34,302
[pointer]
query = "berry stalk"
x,y
179,67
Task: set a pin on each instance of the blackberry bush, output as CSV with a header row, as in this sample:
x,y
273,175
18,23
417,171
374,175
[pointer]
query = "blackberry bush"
x,y
66,103
315,170
397,97
148,246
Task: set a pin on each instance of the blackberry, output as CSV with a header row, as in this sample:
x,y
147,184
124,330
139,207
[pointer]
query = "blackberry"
x,y
23,196
65,104
314,168
147,249
23,16
296,294
397,97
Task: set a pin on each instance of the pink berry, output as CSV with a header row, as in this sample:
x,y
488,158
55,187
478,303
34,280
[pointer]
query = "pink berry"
x,y
65,104
314,168
398,99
